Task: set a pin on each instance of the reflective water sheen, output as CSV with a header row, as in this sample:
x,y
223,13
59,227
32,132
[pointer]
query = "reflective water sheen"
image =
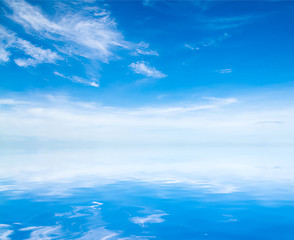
x,y
159,192
143,210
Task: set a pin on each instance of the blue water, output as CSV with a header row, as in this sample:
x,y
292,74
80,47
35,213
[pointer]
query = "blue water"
x,y
140,210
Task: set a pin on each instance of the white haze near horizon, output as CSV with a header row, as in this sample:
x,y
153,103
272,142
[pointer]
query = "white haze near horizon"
x,y
221,144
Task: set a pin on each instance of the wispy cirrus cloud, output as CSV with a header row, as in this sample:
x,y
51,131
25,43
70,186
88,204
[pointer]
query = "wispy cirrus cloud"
x,y
191,47
212,103
90,82
7,40
34,54
209,42
37,54
90,32
144,68
223,23
5,231
4,55
143,49
86,34
225,70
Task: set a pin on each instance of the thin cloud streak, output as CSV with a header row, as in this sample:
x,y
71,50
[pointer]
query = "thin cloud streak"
x,y
225,70
142,48
227,22
89,82
210,42
144,68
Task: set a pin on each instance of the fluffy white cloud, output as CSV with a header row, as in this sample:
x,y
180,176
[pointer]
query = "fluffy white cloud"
x,y
145,69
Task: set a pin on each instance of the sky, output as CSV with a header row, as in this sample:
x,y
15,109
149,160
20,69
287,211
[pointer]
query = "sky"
x,y
147,83
138,53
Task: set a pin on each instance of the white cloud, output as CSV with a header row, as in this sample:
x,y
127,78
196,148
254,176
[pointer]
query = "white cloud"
x,y
171,110
96,204
4,55
4,225
191,47
209,42
38,55
146,52
29,228
5,232
6,40
11,102
89,82
211,120
222,101
89,32
92,36
145,69
225,70
142,48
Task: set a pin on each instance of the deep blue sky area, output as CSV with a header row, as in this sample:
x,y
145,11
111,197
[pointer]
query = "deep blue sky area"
x,y
199,46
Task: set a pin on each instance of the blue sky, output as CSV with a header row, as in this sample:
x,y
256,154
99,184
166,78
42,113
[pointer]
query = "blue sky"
x,y
133,53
